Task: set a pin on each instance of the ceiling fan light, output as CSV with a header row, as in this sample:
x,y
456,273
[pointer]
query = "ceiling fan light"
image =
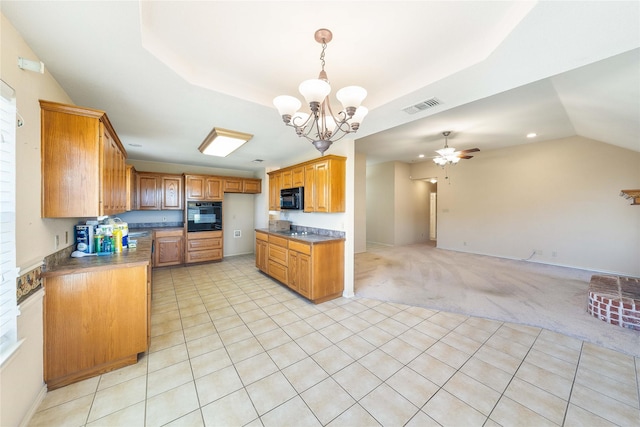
x,y
445,152
351,96
440,161
314,90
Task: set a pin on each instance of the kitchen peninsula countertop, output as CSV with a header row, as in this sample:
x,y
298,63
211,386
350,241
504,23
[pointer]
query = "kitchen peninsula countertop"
x,y
309,238
140,255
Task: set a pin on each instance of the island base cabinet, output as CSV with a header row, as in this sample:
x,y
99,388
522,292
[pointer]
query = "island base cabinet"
x,y
94,322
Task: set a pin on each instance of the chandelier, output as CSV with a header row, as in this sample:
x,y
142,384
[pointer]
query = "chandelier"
x,y
446,155
322,127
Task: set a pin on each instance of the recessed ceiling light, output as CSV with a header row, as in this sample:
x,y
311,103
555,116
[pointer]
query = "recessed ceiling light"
x,y
532,135
421,155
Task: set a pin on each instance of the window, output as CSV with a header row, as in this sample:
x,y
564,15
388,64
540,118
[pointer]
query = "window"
x,y
8,270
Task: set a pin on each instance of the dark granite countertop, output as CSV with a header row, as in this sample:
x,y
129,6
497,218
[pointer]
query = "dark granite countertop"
x,y
301,236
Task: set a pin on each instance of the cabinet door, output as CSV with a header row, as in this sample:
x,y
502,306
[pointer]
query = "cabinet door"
x,y
293,271
286,179
171,192
297,177
304,275
195,189
108,172
213,191
233,185
251,186
309,188
131,188
148,192
321,181
168,251
274,192
261,255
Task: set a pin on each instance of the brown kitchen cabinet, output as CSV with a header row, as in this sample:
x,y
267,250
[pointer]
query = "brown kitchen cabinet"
x,y
168,247
251,185
324,189
131,186
159,191
262,255
274,191
313,269
83,163
204,246
323,179
203,188
95,320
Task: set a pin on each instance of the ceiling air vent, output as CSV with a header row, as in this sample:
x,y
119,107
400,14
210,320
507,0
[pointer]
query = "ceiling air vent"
x,y
421,106
257,161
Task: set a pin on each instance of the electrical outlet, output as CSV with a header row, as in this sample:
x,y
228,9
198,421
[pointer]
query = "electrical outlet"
x,y
56,241
66,237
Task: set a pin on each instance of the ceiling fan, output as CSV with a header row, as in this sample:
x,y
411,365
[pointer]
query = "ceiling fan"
x,y
449,155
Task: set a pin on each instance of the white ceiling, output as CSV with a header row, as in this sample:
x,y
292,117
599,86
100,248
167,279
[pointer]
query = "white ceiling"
x,y
167,72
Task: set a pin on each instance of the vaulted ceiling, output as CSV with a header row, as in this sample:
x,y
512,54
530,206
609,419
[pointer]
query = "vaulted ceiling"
x,y
167,72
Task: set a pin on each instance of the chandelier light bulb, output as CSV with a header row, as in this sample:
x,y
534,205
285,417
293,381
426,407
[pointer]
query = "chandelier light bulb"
x,y
351,97
314,90
287,105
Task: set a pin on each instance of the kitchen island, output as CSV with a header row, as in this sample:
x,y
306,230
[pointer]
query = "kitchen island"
x,y
96,313
310,264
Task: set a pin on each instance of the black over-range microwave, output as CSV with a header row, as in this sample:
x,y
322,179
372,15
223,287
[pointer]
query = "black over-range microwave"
x,y
292,198
204,216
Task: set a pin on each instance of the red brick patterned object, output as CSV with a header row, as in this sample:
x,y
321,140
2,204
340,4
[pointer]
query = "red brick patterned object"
x,y
615,300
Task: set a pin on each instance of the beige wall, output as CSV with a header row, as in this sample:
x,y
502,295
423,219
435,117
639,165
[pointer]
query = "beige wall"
x,y
380,203
559,197
360,200
21,383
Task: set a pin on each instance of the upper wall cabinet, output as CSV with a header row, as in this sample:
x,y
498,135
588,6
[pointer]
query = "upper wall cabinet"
x,y
83,163
159,191
323,180
242,185
203,187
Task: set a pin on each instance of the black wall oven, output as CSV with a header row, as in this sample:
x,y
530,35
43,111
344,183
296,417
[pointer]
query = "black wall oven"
x,y
204,216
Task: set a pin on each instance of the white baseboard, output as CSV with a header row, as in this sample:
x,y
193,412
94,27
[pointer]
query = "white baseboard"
x,y
34,406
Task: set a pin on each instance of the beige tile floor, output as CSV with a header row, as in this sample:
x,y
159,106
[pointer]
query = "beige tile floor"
x,y
231,347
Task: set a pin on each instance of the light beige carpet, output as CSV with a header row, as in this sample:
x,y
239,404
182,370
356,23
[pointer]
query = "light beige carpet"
x,y
529,293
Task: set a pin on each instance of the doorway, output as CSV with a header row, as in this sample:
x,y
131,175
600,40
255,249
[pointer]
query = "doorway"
x,y
433,209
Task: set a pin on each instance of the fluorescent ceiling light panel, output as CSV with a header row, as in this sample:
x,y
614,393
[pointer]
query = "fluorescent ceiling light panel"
x,y
222,142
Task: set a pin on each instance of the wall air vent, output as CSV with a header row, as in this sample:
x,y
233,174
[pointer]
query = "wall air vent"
x,y
421,106
257,161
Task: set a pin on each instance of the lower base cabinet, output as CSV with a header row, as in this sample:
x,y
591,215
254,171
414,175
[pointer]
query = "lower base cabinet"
x,y
169,247
314,270
94,322
204,246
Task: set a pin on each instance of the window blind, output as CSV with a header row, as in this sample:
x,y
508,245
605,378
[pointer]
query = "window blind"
x,y
8,270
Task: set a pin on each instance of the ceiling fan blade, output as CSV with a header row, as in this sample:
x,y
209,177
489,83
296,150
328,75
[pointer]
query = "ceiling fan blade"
x,y
465,157
470,150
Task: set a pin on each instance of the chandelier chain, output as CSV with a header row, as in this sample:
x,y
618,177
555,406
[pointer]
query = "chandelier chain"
x,y
324,46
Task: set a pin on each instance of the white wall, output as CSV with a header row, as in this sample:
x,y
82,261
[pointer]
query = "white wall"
x,y
560,197
22,377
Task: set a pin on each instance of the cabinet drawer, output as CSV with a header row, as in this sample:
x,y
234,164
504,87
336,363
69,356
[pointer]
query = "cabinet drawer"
x,y
204,255
278,254
279,241
204,244
278,271
262,236
169,233
300,247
